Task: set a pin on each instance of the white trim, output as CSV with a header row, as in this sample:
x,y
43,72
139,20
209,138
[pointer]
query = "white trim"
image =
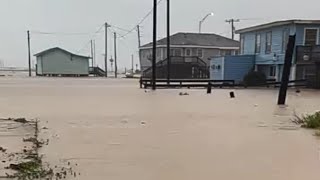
x,y
304,35
275,24
192,46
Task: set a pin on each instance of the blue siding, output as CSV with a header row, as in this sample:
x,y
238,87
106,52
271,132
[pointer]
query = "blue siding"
x,y
236,67
276,48
216,74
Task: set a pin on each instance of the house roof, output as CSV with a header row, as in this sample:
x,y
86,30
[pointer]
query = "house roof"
x,y
277,23
197,39
60,49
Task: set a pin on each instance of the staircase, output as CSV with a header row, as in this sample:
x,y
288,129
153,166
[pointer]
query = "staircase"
x,y
97,71
180,68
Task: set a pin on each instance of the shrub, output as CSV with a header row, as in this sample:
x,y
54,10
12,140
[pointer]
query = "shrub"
x,y
312,121
254,78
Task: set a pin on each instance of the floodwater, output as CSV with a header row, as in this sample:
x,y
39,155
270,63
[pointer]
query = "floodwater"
x,y
111,129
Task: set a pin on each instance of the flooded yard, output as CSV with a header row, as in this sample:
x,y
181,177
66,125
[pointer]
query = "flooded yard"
x,y
111,129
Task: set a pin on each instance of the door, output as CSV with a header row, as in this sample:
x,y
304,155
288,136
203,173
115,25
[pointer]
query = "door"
x,y
311,36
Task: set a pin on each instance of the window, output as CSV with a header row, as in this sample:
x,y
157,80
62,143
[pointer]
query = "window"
x,y
310,37
285,39
200,53
268,42
272,71
242,44
188,52
175,52
258,43
228,52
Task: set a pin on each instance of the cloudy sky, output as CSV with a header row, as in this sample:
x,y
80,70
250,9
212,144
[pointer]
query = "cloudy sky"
x,y
72,23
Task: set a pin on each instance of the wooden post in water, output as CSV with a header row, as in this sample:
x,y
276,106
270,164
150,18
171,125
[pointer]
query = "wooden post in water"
x,y
286,71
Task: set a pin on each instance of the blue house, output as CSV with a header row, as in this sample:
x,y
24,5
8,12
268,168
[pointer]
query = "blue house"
x,y
267,44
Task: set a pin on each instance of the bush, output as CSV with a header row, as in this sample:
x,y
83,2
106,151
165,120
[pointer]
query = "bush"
x,y
312,121
254,78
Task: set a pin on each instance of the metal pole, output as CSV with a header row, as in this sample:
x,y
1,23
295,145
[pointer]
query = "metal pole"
x,y
106,49
154,50
29,54
286,70
115,56
168,42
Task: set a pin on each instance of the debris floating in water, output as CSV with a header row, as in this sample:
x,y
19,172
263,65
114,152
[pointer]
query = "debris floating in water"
x,y
232,95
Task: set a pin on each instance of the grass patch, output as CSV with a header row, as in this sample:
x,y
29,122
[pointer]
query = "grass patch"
x,y
32,169
309,121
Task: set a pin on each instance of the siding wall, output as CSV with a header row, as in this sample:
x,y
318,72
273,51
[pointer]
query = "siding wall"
x,y
146,63
217,74
39,65
59,62
276,48
236,67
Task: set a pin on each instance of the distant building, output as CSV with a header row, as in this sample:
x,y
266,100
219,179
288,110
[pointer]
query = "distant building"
x,y
59,62
190,54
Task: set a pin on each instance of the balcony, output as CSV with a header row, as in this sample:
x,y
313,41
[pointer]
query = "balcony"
x,y
308,54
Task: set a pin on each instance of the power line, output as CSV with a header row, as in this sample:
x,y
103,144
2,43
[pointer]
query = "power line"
x,y
92,37
141,21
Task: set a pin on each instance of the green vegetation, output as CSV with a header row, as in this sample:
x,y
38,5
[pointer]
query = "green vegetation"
x,y
32,169
311,121
254,78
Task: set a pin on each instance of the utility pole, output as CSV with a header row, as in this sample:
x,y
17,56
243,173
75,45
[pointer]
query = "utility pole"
x,y
168,42
139,41
233,29
91,44
286,70
154,49
106,49
94,53
132,64
29,54
115,56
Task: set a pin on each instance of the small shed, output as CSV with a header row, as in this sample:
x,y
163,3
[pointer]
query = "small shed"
x,y
59,62
231,67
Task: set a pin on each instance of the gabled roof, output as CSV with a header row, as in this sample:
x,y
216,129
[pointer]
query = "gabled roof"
x,y
277,23
197,39
60,49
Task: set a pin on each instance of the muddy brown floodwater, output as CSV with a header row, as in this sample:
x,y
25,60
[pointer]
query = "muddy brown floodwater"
x,y
111,129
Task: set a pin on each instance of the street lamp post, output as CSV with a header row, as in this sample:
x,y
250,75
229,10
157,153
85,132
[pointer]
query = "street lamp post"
x,y
200,23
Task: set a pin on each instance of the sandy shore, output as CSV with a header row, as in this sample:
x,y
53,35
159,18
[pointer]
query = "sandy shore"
x,y
114,130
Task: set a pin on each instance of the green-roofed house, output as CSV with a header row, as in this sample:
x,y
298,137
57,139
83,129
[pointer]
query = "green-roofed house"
x,y
59,62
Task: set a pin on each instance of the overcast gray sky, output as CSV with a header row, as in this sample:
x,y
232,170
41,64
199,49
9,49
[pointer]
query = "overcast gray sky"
x,y
87,16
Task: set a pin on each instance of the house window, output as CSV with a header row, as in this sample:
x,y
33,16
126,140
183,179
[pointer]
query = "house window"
x,y
200,53
242,44
310,37
272,71
268,42
188,52
258,43
175,52
227,52
285,39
